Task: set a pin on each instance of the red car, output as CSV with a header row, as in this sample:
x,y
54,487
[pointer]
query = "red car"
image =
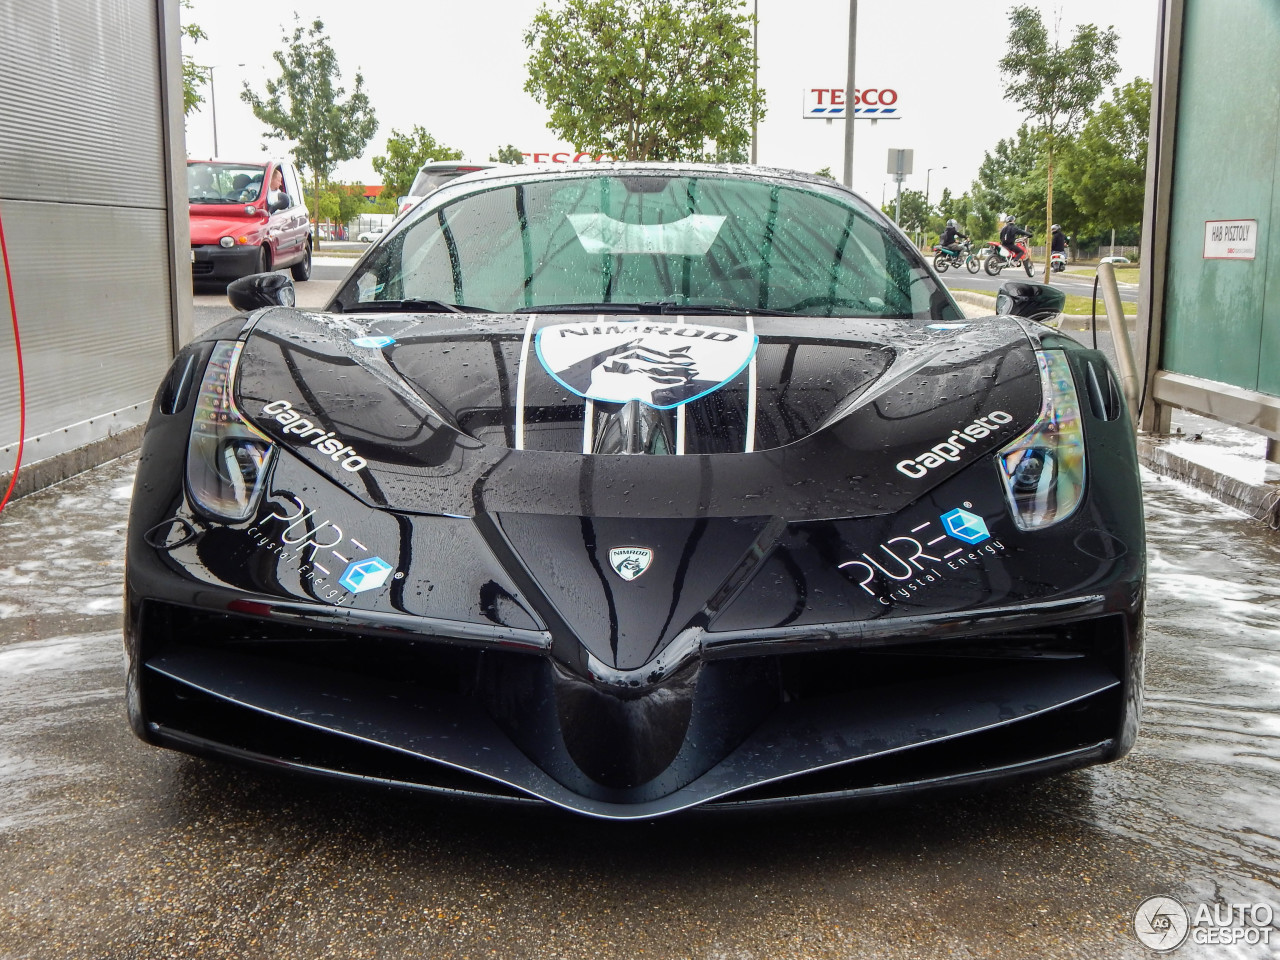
x,y
247,218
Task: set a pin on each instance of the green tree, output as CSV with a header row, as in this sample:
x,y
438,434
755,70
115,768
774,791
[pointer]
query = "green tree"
x,y
406,153
508,154
915,211
1105,172
1000,186
1055,85
306,106
646,79
194,76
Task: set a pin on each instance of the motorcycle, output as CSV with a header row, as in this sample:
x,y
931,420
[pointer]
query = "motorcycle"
x,y
943,258
998,258
1058,262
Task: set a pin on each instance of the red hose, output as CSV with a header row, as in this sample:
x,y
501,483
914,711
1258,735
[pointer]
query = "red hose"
x,y
22,384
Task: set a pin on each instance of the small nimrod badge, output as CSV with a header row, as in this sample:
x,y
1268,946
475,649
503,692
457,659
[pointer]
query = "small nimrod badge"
x,y
630,562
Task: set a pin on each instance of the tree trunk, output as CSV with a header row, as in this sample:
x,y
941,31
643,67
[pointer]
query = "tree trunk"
x,y
315,218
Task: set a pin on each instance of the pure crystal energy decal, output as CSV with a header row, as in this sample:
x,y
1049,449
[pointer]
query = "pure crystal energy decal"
x,y
304,537
630,562
966,526
362,575
663,365
910,563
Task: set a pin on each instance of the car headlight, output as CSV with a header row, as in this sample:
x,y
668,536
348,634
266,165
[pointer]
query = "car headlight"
x,y
1043,470
227,459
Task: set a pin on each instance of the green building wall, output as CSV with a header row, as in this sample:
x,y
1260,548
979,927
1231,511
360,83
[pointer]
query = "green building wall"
x,y
1222,317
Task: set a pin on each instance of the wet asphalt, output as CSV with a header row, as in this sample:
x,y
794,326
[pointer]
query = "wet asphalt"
x,y
110,848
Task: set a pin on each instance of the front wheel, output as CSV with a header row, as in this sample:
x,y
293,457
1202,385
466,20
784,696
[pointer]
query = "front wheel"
x,y
993,265
302,269
940,262
1027,265
973,264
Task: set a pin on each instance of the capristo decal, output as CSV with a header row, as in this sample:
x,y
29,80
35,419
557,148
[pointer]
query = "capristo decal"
x,y
902,566
305,535
663,365
296,425
949,450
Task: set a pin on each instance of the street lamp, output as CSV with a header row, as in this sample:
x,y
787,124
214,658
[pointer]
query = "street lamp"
x,y
213,111
927,174
849,94
213,107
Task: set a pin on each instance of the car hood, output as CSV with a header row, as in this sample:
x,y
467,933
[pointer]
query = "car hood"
x,y
209,224
801,418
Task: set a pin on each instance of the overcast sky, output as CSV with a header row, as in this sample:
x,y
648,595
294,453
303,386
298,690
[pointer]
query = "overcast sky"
x,y
457,68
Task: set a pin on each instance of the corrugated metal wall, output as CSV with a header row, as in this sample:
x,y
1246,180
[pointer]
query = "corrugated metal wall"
x,y
87,154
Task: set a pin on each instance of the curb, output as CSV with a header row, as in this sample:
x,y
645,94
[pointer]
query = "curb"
x,y
975,299
1259,501
988,303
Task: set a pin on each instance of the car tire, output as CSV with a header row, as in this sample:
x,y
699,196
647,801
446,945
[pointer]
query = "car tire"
x,y
302,269
264,260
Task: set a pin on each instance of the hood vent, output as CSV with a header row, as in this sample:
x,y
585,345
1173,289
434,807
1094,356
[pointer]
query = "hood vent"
x,y
632,427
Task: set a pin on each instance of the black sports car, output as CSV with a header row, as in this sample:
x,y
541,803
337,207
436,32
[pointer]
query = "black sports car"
x,y
633,489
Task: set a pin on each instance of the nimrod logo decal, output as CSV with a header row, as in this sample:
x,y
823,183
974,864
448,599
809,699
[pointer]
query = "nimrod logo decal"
x,y
664,365
949,450
630,562
296,425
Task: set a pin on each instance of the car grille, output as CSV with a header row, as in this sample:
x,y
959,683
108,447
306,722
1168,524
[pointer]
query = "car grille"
x,y
503,708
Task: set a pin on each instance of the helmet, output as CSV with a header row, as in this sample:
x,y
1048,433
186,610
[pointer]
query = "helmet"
x,y
951,223
1010,218
1056,228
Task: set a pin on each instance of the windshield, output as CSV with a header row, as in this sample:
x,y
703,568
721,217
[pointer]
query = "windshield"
x,y
711,241
224,182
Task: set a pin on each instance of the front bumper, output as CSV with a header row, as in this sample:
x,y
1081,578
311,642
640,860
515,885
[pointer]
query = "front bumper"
x,y
214,262
1022,693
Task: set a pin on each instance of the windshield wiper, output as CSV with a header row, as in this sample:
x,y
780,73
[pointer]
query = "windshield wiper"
x,y
658,307
415,306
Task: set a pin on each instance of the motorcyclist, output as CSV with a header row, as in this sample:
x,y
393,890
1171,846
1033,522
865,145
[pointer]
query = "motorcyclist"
x,y
950,234
1060,240
1009,235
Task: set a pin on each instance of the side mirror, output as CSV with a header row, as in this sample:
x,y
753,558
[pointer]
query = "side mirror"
x,y
261,290
277,200
1034,301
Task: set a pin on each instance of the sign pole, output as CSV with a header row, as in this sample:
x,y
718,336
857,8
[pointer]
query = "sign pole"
x,y
850,96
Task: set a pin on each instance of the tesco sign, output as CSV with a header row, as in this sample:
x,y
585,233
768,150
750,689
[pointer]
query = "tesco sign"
x,y
567,156
869,103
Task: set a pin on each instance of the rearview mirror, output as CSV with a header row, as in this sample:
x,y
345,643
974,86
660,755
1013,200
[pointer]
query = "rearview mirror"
x,y
1034,301
262,290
